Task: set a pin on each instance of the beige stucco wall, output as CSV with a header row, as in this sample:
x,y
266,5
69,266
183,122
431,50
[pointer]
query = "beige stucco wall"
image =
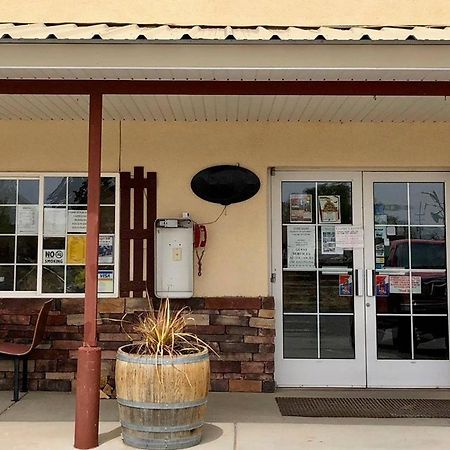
x,y
42,146
237,260
230,12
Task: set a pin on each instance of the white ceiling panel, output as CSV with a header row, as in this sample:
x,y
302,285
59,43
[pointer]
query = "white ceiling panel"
x,y
230,108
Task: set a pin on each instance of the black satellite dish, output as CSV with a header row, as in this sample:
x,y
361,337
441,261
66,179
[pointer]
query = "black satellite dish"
x,y
225,184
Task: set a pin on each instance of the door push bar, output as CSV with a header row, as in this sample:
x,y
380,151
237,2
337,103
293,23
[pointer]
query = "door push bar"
x,y
359,282
369,282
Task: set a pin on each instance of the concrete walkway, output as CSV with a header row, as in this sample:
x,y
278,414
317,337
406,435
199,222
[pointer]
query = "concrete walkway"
x,y
44,421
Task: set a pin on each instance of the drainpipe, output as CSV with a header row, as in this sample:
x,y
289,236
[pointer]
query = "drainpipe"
x,y
89,355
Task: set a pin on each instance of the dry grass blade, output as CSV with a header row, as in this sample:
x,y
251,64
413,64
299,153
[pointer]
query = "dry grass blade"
x,y
163,333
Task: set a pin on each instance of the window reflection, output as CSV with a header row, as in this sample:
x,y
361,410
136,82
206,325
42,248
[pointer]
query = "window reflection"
x,y
394,337
427,205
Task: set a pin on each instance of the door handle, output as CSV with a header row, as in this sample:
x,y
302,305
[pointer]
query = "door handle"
x,y
359,282
369,282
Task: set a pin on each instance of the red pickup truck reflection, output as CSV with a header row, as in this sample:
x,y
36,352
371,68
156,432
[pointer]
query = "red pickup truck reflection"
x,y
425,254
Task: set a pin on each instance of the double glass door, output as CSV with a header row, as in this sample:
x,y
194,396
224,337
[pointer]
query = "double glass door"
x,y
360,279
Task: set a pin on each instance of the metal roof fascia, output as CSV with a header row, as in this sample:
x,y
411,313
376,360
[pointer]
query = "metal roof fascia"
x,y
159,56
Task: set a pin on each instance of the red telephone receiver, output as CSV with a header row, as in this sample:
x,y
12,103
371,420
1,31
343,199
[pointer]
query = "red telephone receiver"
x,y
200,236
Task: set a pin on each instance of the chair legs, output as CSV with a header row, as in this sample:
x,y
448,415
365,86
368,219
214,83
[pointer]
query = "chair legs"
x,y
16,379
16,395
25,374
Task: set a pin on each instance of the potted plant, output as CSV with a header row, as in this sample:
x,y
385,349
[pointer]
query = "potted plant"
x,y
162,382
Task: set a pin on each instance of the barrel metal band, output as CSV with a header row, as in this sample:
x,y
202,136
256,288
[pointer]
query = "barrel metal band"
x,y
161,443
170,429
156,361
147,405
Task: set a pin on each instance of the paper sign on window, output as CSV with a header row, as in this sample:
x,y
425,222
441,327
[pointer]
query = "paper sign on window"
x,y
106,249
328,239
27,219
345,285
301,246
76,249
300,208
76,221
400,284
54,221
106,281
53,256
329,209
349,236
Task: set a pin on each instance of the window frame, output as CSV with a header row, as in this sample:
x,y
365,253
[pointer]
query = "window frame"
x,y
40,176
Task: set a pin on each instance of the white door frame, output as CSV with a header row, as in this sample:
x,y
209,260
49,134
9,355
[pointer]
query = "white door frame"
x,y
318,372
399,373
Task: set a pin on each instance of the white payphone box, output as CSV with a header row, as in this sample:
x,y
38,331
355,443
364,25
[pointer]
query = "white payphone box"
x,y
174,253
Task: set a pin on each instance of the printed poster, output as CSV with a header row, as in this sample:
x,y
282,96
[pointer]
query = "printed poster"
x,y
301,246
76,249
105,281
27,219
300,208
106,249
329,209
76,221
382,285
349,236
54,221
328,240
345,285
399,284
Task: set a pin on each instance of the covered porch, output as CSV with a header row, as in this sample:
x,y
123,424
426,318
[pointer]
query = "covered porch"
x,y
176,109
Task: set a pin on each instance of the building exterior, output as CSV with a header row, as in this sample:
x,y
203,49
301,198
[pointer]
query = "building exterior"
x,y
334,274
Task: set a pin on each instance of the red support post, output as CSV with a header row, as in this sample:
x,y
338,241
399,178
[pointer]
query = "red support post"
x,y
89,355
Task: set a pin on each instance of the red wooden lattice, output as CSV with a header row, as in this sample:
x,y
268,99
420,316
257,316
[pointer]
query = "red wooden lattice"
x,y
137,202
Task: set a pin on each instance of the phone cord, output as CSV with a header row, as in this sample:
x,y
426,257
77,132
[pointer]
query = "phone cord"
x,y
199,261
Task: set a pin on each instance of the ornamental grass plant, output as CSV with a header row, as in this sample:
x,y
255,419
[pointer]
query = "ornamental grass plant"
x,y
163,334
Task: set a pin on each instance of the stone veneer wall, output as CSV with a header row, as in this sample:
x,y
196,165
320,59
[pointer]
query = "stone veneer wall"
x,y
240,329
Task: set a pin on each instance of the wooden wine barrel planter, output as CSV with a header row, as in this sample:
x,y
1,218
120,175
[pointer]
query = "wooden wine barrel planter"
x,y
162,402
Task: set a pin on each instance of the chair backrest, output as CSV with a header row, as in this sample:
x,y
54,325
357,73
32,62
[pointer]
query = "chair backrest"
x,y
41,322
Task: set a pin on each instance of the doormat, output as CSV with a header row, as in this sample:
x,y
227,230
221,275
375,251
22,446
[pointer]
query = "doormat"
x,y
364,407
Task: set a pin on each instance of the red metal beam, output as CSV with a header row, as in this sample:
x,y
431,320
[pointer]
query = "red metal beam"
x,y
169,87
89,355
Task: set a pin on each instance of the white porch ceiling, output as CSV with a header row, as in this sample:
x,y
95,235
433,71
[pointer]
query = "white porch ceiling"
x,y
230,108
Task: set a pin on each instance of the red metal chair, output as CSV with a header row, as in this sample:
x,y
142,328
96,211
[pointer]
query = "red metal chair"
x,y
17,352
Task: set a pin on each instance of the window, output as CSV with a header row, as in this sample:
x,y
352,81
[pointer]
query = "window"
x,y
43,235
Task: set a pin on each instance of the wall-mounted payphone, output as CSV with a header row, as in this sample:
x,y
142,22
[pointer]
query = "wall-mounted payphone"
x,y
174,252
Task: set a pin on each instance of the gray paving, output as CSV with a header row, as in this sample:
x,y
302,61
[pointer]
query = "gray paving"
x,y
5,401
236,421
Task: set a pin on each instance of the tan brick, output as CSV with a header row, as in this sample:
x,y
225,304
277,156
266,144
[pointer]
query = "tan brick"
x,y
266,313
240,321
75,319
15,319
252,367
117,337
258,339
245,386
231,357
197,319
258,322
111,305
66,344
263,357
60,375
133,304
6,365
